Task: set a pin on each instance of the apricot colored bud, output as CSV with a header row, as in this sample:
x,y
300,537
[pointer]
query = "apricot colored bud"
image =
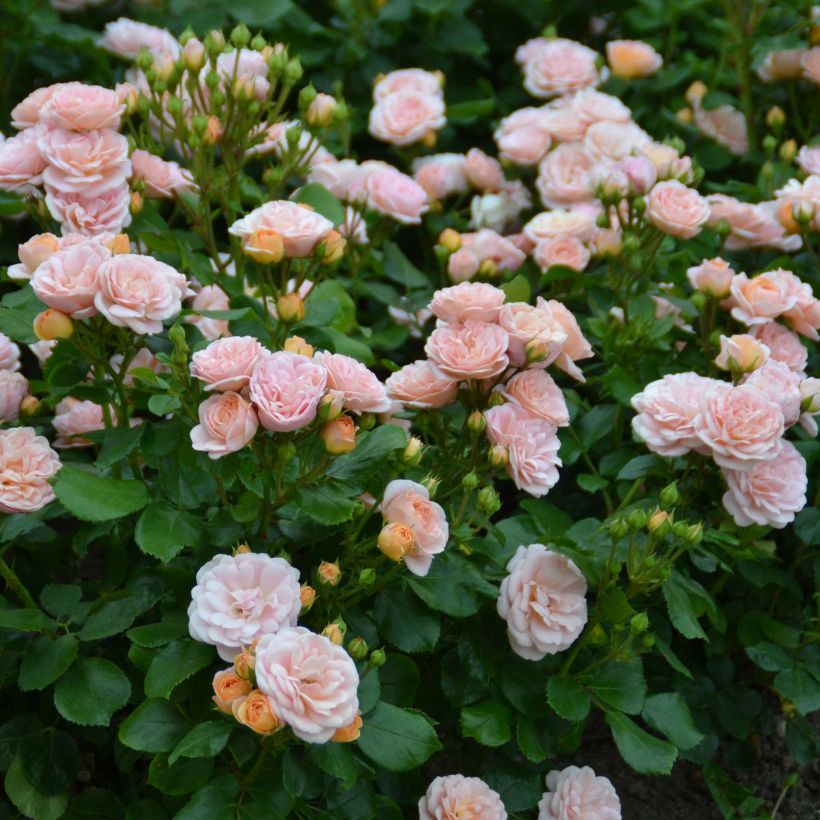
x,y
244,663
788,151
120,244
412,452
264,246
256,712
476,422
775,117
741,353
450,239
696,92
296,344
242,549
331,406
429,139
488,268
684,115
39,248
348,734
213,131
137,202
334,244
329,573
339,435
290,308
229,687
30,406
334,634
659,523
395,541
320,111
193,55
52,324
307,595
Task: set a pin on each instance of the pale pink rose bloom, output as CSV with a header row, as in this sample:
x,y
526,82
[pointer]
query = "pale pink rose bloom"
x,y
13,388
211,297
91,215
466,798
441,174
771,493
69,279
781,65
543,600
563,122
760,299
32,254
126,38
808,158
394,194
286,389
344,179
668,410
227,422
469,350
779,385
613,141
497,211
784,345
421,385
163,179
404,117
469,300
804,314
408,79
712,276
462,265
523,137
27,462
531,325
567,174
239,598
561,250
741,352
725,125
576,346
810,404
595,106
487,244
359,388
538,394
667,161
483,171
26,113
9,354
301,229
43,350
139,292
751,226
560,222
607,242
72,418
558,66
227,364
677,210
311,682
810,65
406,502
640,172
629,59
579,793
740,426
21,165
82,107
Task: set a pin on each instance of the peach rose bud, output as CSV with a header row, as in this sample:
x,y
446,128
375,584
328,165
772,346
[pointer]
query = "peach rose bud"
x,y
307,595
499,456
243,664
52,324
296,344
632,58
395,541
347,734
333,632
39,248
228,686
119,244
450,240
264,246
30,406
741,353
290,308
334,244
657,523
412,452
339,435
331,406
329,573
320,111
255,712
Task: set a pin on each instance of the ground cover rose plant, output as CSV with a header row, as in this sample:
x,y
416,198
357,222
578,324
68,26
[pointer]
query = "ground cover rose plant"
x,y
408,409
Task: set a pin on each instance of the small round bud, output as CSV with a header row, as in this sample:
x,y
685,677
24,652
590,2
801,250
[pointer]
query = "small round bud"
x,y
357,649
242,549
636,519
145,59
307,595
330,406
367,577
659,523
119,244
290,308
293,71
618,528
699,299
639,204
498,456
602,220
767,170
769,143
240,36
775,117
488,500
293,135
367,421
215,42
377,658
450,240
137,202
321,111
696,92
341,112
639,623
243,664
339,435
694,534
329,573
296,344
306,96
429,139
432,484
488,268
334,247
30,406
476,422
788,150
213,133
597,636
470,481
669,495
277,61
258,43
52,324
193,55
396,540
412,452
684,115
333,632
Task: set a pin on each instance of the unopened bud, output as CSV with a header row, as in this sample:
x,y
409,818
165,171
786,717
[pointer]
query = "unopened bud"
x,y
788,151
450,239
684,115
307,595
429,139
741,353
215,41
333,632
775,117
290,308
431,483
52,324
470,481
377,658
213,132
597,635
330,406
193,55
639,204
339,435
602,220
30,406
357,649
659,523
137,202
367,577
694,534
670,495
306,96
321,111
537,349
636,519
618,528
367,421
334,247
296,344
277,60
395,541
329,573
293,71
496,399
342,112
488,500
488,268
639,623
144,59
696,92
243,664
240,36
242,549
498,456
412,452
476,422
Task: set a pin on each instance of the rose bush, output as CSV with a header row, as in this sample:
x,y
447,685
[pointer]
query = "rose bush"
x,y
402,402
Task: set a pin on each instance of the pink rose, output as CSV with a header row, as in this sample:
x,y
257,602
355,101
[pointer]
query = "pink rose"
x,y
43,350
668,410
463,265
469,350
21,165
769,494
567,175
227,364
740,426
13,388
26,113
563,122
483,171
523,137
640,172
26,465
808,158
751,226
408,79
300,228
408,503
575,792
359,389
126,38
779,385
497,211
566,251
810,65
668,162
712,276
69,279
725,125
543,600
531,444
758,300
90,215
245,69
559,222
529,326
558,66
32,254
469,300
139,292
781,65
72,418
239,598
784,345
81,107
312,683
394,194
594,106
613,141
343,179
677,210
407,116
538,394
9,354
422,386
227,422
632,58
163,179
576,347
211,297
286,389
441,175
804,314
456,796
486,245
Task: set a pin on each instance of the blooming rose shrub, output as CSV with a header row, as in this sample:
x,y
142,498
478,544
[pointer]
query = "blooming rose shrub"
x,y
400,404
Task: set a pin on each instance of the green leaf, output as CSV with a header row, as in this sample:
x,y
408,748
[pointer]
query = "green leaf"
x,y
51,761
488,722
681,608
620,685
671,658
322,201
638,467
176,662
115,615
453,585
396,739
91,691
335,759
160,404
326,504
154,726
464,113
643,752
27,800
405,622
90,497
45,660
517,289
26,620
153,636
204,740
17,312
807,526
11,204
185,776
668,714
117,443
213,802
800,687
568,698
162,530
61,600
372,448
591,483
398,268
529,740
